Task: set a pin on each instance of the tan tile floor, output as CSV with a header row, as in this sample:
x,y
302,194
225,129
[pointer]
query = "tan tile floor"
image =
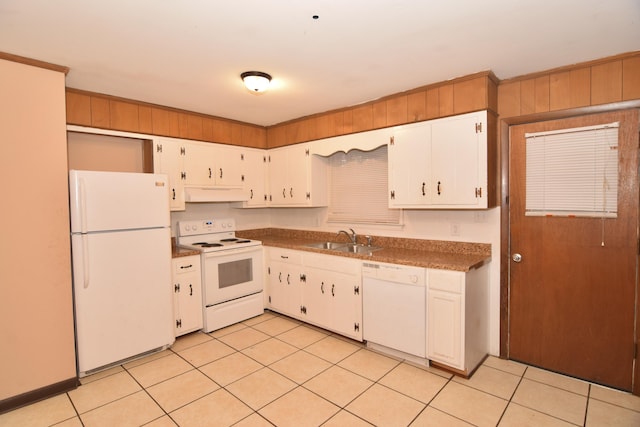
x,y
272,370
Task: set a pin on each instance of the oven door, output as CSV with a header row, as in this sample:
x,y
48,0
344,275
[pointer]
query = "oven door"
x,y
232,274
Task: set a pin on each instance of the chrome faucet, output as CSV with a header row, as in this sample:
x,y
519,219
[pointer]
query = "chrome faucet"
x,y
353,236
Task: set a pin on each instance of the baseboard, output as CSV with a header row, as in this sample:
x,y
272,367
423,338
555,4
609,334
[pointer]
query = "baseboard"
x,y
33,396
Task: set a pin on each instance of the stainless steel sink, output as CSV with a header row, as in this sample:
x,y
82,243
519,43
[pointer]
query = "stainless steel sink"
x,y
326,245
344,247
358,249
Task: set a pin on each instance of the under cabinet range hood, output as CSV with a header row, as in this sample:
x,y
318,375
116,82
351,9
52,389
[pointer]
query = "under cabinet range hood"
x,y
214,194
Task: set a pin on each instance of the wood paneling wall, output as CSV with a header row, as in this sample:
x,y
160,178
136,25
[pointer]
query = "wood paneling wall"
x,y
605,81
463,95
600,82
102,111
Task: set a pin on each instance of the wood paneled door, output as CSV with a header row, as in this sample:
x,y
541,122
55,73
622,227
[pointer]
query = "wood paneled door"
x,y
572,293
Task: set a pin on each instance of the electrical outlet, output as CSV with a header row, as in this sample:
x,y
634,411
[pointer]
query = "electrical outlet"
x,y
455,229
480,216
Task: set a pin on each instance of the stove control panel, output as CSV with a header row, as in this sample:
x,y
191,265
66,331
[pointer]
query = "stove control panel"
x,y
206,226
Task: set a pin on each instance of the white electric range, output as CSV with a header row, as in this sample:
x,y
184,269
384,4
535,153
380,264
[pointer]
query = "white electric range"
x,y
232,271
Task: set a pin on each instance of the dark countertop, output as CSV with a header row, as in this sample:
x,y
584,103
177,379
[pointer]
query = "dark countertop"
x,y
179,251
458,256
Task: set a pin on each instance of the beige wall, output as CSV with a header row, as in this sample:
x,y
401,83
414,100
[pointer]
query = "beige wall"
x,y
36,316
105,153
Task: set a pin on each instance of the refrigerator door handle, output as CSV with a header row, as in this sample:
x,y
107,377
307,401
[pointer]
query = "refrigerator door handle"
x,y
83,206
85,258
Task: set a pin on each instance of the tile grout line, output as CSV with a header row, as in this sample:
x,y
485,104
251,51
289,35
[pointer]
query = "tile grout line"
x,y
536,410
73,405
509,401
150,396
586,409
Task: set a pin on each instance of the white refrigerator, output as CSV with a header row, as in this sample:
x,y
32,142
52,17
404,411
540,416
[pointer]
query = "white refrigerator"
x,y
121,254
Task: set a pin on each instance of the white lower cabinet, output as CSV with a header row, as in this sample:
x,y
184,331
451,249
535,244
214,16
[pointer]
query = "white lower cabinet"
x,y
323,290
331,295
458,318
187,294
284,270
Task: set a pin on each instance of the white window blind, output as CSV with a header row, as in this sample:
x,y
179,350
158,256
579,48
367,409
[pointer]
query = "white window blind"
x,y
573,172
358,188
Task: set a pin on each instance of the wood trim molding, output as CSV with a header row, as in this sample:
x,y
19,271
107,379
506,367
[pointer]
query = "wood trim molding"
x,y
33,396
34,62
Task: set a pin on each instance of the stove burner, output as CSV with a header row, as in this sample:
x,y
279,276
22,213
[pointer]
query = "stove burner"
x,y
231,239
199,243
211,245
243,241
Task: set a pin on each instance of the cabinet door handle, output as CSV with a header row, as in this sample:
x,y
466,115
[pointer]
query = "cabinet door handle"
x,y
209,173
251,197
190,290
280,277
220,173
438,188
322,287
423,193
291,192
333,294
284,194
173,190
288,281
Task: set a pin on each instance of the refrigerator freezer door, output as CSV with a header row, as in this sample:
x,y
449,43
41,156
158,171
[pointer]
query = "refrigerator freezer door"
x,y
117,201
123,295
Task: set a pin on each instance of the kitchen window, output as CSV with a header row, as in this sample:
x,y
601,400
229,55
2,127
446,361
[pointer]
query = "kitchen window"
x,y
573,172
358,185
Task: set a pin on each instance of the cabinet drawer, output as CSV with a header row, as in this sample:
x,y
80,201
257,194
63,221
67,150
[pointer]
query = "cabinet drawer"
x,y
285,255
445,280
186,265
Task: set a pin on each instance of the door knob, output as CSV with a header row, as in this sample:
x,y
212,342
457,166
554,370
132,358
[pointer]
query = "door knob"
x,y
516,257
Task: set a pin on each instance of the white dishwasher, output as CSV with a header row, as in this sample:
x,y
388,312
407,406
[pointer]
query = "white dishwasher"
x,y
394,307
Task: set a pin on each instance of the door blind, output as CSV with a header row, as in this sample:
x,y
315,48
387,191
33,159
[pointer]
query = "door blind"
x,y
573,172
358,188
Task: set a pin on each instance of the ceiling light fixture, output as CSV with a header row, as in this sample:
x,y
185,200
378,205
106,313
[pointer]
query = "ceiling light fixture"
x,y
256,81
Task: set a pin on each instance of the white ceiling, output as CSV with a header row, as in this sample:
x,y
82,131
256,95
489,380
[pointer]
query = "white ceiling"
x,y
189,54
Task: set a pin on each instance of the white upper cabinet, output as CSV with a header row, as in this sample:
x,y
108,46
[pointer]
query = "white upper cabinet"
x,y
168,159
198,165
296,177
212,165
440,163
409,173
459,161
255,177
228,165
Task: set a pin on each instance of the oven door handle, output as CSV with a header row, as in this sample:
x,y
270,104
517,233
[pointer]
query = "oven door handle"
x,y
238,251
